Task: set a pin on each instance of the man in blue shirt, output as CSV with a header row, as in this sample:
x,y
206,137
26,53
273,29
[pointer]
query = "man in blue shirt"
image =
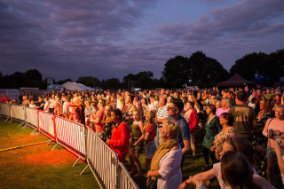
x,y
174,110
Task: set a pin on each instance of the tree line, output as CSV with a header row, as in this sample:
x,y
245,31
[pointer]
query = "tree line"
x,y
196,70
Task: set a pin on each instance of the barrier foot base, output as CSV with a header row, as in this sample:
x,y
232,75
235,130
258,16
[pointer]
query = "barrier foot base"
x,y
25,125
34,132
76,162
48,143
84,170
54,146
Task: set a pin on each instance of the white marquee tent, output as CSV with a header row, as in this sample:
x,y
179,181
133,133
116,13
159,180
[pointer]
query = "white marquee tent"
x,y
76,86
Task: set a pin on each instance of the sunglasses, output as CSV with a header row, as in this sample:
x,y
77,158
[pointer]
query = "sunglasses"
x,y
171,108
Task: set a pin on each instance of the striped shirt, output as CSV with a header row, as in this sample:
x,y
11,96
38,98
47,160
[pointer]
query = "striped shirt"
x,y
162,112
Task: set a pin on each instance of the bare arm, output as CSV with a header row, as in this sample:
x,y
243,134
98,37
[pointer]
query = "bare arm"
x,y
186,147
204,176
265,129
142,136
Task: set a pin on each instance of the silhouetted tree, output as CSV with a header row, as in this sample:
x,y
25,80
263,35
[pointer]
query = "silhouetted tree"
x,y
112,83
260,67
176,72
206,71
89,81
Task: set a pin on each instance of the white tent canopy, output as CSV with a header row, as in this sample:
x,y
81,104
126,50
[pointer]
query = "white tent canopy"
x,y
76,86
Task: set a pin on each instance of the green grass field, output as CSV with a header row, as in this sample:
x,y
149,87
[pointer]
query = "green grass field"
x,y
37,166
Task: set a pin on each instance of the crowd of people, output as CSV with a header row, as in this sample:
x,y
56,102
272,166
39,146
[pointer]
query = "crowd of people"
x,y
244,130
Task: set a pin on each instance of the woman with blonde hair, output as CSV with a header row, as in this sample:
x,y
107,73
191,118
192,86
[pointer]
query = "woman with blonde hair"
x,y
136,144
166,163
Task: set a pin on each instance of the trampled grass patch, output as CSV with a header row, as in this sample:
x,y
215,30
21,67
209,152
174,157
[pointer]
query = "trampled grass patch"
x,y
37,166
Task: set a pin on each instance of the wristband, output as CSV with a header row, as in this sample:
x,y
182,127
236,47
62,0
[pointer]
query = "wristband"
x,y
186,183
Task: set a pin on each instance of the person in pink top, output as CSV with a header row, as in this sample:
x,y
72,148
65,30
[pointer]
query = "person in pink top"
x,y
149,133
225,107
190,115
97,119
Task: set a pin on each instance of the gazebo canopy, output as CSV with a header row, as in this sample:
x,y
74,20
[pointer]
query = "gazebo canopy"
x,y
235,81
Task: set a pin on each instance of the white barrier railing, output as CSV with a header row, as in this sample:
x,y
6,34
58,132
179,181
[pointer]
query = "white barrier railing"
x,y
71,135
102,160
6,110
32,117
124,179
18,112
46,124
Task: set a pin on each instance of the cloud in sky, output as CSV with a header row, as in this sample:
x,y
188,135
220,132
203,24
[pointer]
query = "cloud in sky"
x,y
67,39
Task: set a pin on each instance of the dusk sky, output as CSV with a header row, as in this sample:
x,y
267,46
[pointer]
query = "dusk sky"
x,y
72,38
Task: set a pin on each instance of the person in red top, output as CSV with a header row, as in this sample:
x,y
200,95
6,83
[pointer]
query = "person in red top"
x,y
190,115
149,134
119,141
4,98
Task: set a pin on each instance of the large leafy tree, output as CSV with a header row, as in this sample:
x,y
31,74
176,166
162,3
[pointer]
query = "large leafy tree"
x,y
202,70
31,78
260,67
112,83
176,72
89,81
206,71
143,80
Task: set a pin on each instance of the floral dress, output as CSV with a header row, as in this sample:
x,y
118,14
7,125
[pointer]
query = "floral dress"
x,y
220,138
259,143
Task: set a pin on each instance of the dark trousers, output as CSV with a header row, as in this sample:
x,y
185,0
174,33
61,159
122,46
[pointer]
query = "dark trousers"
x,y
206,154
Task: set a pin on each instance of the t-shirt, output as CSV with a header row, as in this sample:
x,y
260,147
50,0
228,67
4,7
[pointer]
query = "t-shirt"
x,y
244,117
152,132
99,126
220,111
184,129
162,112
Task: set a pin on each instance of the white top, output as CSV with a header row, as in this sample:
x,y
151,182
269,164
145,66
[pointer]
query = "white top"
x,y
51,103
65,107
258,179
33,106
46,106
170,170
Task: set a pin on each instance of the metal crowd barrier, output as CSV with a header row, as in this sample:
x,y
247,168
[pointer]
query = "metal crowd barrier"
x,y
71,135
6,110
32,117
80,140
102,160
18,112
46,124
124,179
